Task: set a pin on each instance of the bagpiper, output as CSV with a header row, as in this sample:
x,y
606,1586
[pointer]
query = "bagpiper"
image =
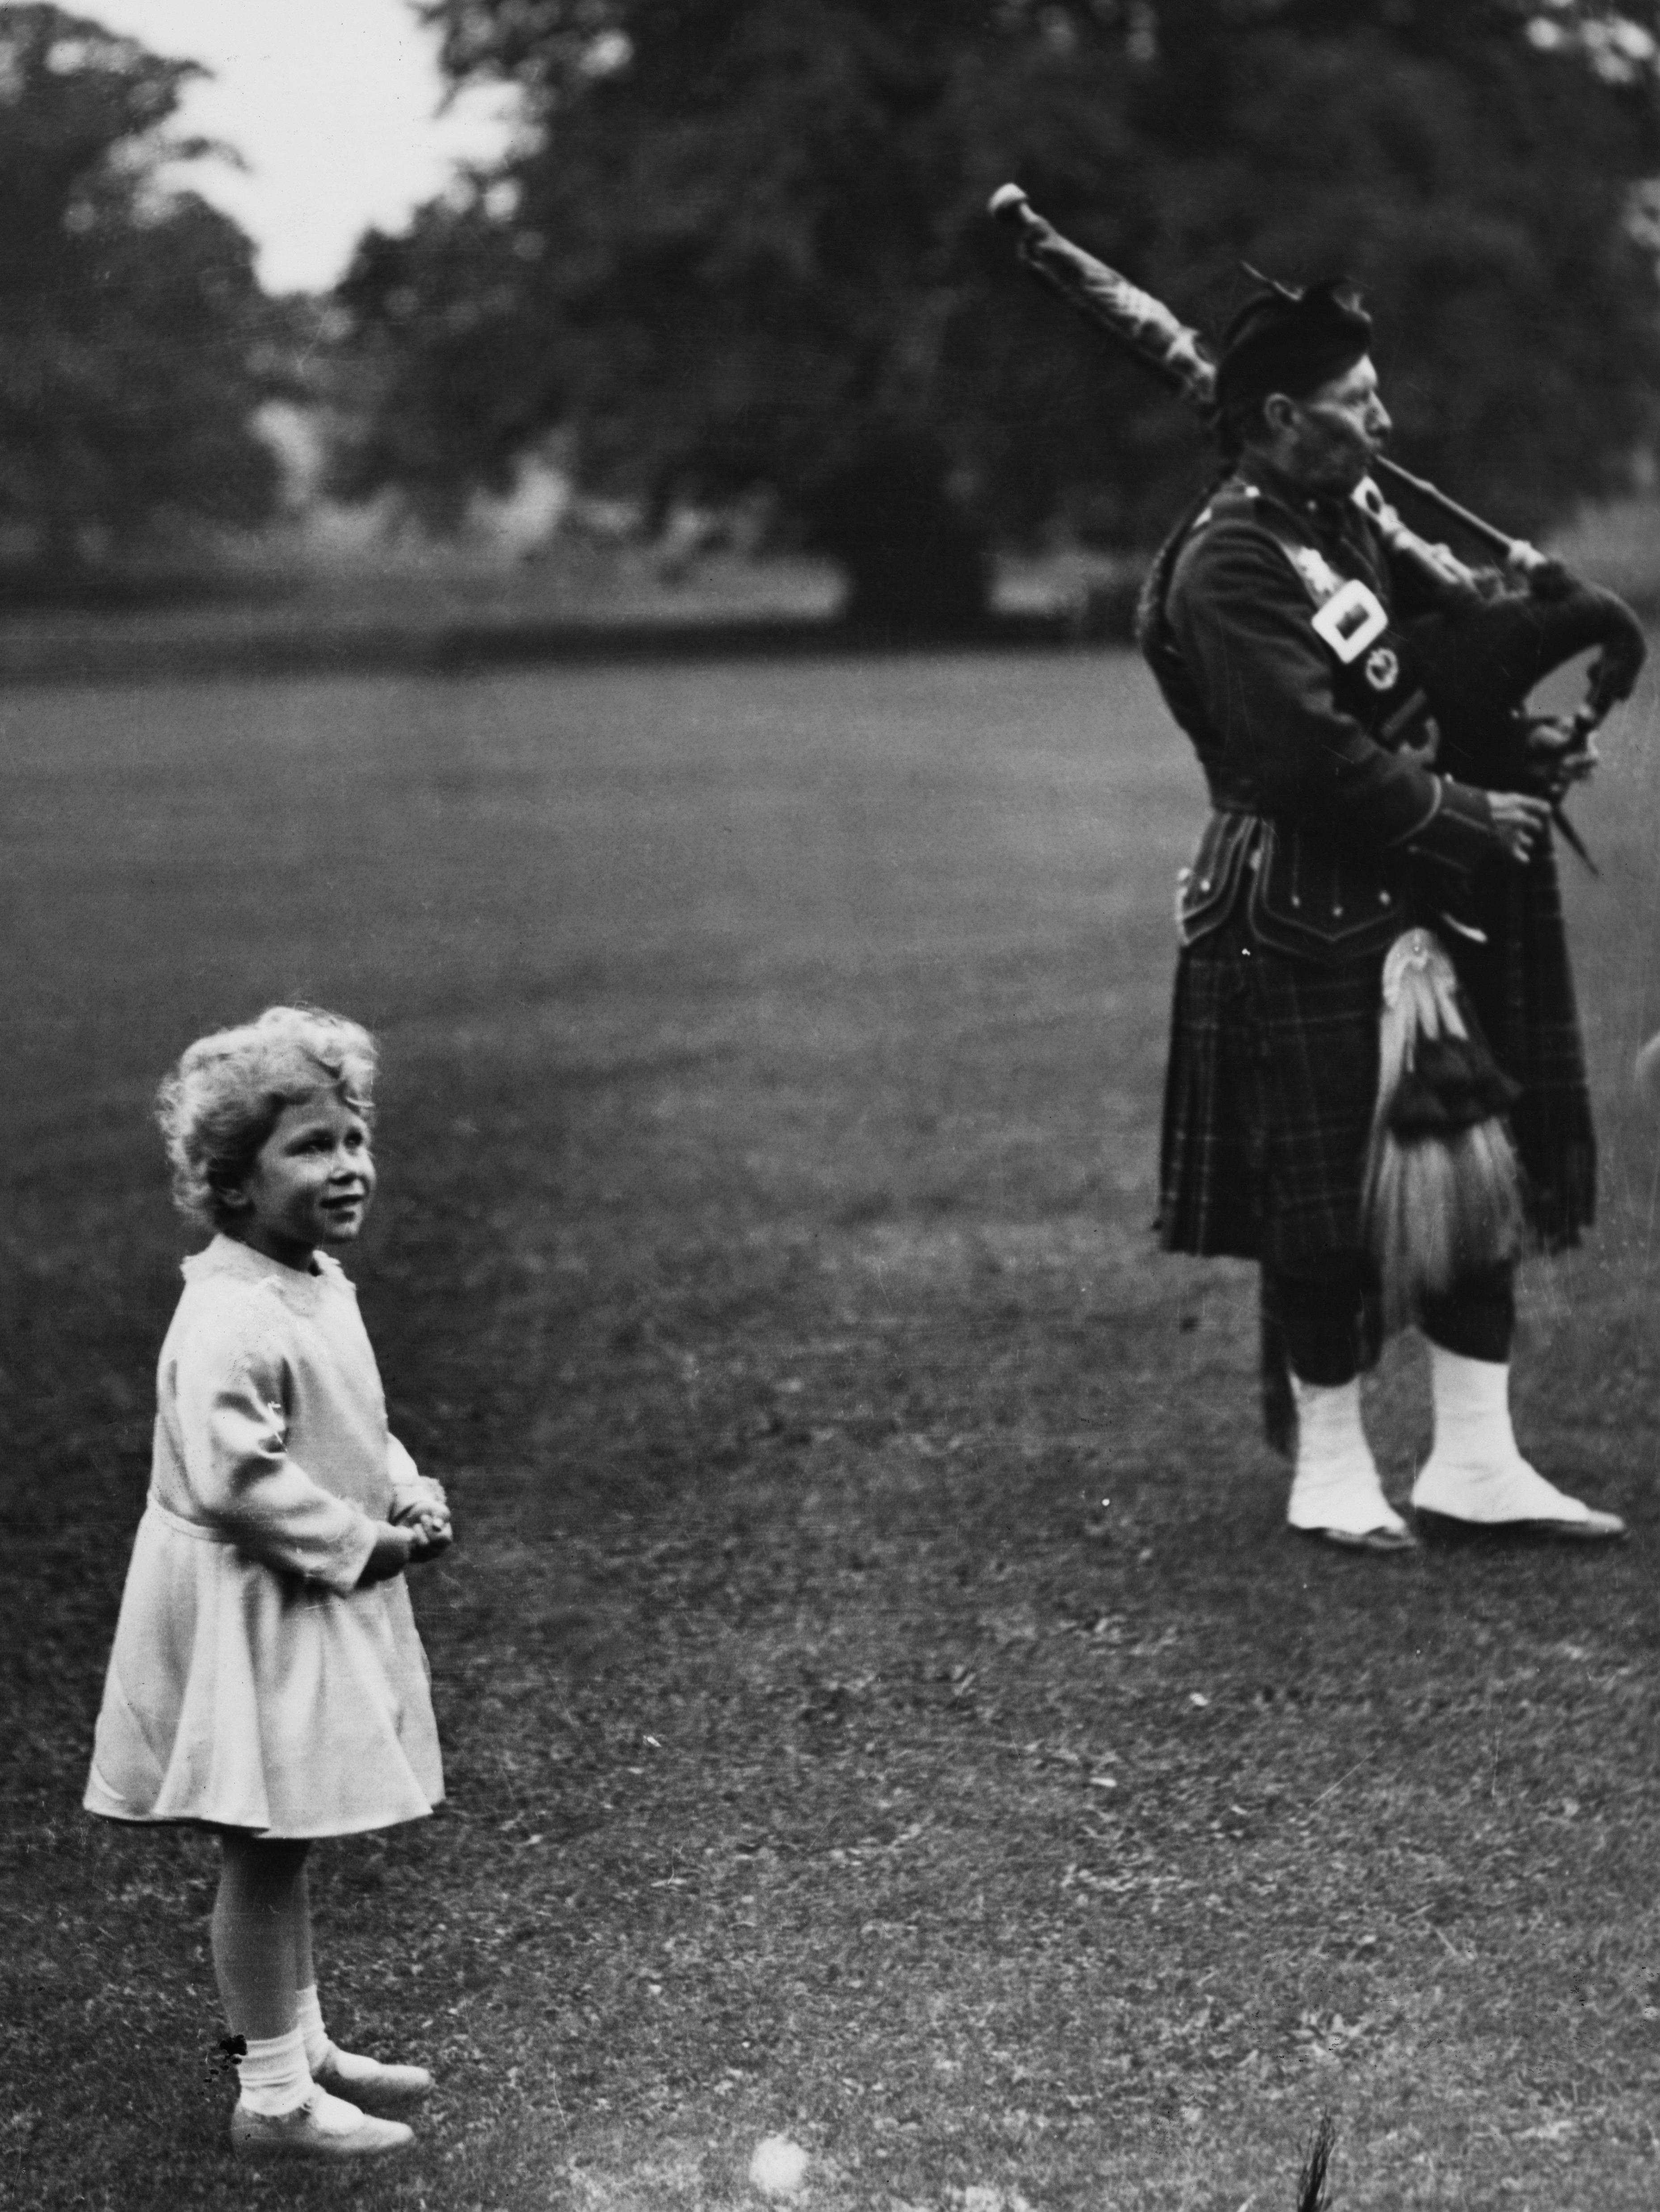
x,y
1277,621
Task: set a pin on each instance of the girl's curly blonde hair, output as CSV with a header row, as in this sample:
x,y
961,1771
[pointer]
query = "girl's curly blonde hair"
x,y
221,1102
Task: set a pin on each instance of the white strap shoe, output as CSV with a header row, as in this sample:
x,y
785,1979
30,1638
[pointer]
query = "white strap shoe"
x,y
324,2127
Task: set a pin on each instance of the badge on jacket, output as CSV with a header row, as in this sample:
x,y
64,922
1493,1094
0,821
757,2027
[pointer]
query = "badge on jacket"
x,y
1352,619
1382,668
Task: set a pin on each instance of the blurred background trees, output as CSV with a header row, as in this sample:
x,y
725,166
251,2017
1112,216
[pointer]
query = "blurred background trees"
x,y
745,247
135,342
740,253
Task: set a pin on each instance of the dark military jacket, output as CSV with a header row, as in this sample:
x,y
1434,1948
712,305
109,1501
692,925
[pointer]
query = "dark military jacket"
x,y
1269,623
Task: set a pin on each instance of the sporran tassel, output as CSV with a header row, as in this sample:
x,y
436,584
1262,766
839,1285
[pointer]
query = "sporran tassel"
x,y
1444,1186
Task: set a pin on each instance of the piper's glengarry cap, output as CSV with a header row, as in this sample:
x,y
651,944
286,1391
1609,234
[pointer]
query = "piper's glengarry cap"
x,y
1292,342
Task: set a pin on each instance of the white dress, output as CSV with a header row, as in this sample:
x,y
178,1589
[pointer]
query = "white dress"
x,y
253,1684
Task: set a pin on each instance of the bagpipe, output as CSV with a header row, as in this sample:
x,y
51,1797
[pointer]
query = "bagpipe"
x,y
1443,1194
1495,634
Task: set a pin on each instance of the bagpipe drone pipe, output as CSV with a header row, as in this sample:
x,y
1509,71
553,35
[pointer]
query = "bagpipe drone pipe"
x,y
1484,1046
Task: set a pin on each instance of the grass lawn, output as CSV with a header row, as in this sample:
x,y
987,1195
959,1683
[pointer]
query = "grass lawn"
x,y
882,1706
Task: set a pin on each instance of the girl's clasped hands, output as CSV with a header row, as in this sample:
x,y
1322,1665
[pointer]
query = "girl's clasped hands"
x,y
427,1520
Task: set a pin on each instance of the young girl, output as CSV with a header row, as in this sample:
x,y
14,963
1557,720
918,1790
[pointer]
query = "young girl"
x,y
267,1680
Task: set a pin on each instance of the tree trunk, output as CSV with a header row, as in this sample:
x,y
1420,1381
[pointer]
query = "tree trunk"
x,y
885,513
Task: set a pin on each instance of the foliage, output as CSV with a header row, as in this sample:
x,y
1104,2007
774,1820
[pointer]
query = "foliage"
x,y
747,246
132,327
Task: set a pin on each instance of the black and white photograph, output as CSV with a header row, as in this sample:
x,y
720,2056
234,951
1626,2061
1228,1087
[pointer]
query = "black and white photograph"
x,y
829,1319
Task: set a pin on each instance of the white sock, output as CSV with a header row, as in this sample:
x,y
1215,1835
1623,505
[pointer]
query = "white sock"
x,y
1331,1439
317,2045
1476,1472
1472,1413
273,2075
1335,1485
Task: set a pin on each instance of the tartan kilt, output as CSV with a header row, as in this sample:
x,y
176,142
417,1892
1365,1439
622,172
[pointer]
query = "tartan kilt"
x,y
1269,1100
1272,1080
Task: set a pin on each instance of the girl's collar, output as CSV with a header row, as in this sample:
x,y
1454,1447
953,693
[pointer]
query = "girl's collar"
x,y
228,1256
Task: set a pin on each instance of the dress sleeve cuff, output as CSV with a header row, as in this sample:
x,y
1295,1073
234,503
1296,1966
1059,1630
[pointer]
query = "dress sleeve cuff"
x,y
1457,831
342,1569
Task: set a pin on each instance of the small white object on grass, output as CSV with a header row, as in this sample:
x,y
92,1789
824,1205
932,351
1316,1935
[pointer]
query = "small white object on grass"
x,y
1647,1072
778,2167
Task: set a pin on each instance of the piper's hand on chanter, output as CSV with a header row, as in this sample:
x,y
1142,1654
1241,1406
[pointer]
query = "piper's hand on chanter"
x,y
1559,753
1518,821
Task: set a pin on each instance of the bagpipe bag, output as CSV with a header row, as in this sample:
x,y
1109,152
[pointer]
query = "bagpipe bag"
x,y
1478,659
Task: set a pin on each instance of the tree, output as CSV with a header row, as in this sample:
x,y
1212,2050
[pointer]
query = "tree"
x,y
746,246
131,322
